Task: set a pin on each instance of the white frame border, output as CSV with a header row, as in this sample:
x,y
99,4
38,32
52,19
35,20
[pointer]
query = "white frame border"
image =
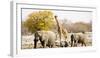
x,y
15,28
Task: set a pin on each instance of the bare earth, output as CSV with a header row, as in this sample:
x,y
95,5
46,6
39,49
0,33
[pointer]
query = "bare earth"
x,y
28,43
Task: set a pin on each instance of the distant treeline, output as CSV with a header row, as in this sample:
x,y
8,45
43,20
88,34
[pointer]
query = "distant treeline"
x,y
78,27
71,27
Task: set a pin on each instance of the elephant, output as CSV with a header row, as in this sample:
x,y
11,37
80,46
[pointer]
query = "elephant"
x,y
78,39
47,38
72,39
64,44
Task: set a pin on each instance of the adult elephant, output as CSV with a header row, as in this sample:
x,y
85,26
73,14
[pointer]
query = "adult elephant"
x,y
47,38
78,38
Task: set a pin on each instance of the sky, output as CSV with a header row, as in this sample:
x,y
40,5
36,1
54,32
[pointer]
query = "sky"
x,y
72,16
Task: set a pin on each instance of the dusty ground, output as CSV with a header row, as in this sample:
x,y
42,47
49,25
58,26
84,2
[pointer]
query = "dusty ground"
x,y
27,41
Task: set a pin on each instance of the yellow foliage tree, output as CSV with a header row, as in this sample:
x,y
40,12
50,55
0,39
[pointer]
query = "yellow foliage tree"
x,y
40,20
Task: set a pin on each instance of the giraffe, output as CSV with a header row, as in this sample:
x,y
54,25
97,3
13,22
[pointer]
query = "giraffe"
x,y
61,30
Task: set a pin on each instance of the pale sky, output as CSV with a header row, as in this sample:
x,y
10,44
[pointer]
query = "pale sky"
x,y
73,16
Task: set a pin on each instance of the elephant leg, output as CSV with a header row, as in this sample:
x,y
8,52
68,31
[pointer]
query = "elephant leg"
x,y
84,44
71,43
35,43
66,44
75,43
43,44
52,46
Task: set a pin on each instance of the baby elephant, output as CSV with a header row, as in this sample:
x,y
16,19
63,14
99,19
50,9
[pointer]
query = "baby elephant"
x,y
64,44
47,38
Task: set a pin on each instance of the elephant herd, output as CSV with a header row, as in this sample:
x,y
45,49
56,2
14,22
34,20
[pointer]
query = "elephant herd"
x,y
48,39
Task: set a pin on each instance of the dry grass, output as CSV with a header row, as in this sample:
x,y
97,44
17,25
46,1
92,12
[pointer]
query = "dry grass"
x,y
28,43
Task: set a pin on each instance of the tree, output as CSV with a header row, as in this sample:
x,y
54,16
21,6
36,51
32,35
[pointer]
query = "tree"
x,y
40,20
81,26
